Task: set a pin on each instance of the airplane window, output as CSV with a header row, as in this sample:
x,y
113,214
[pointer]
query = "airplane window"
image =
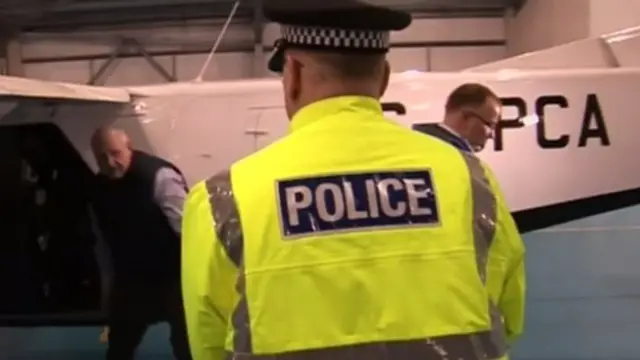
x,y
49,273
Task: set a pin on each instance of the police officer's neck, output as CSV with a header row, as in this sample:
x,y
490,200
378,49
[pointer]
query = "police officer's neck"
x,y
330,90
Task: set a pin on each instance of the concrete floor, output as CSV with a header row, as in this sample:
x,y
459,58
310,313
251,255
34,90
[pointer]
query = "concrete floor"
x,y
584,301
74,344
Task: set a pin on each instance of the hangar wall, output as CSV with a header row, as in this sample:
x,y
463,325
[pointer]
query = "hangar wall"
x,y
608,16
429,45
542,24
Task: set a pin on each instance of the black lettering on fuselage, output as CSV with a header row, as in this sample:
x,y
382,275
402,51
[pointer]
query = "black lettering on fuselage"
x,y
503,124
593,125
545,142
593,114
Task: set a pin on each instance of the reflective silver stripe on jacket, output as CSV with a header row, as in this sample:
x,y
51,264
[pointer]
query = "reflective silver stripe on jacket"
x,y
483,345
484,228
229,232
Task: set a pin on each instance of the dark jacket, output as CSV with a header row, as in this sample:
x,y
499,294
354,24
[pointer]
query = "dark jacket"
x,y
144,247
443,134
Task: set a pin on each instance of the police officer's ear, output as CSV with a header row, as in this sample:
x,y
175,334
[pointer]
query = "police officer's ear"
x,y
385,78
292,77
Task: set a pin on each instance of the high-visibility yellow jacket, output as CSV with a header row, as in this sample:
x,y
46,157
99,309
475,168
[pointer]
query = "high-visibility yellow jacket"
x,y
505,289
351,238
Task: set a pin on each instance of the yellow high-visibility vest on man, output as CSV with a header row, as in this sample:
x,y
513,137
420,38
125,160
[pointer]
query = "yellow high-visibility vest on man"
x,y
352,237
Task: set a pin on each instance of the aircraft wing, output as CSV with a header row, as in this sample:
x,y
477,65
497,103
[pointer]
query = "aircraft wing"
x,y
12,88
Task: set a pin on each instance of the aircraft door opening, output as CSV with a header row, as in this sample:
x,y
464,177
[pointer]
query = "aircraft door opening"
x,y
49,271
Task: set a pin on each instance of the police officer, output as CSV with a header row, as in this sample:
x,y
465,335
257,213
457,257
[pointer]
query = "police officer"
x,y
353,237
472,113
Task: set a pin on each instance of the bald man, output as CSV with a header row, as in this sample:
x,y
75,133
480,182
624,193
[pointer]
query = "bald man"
x,y
138,202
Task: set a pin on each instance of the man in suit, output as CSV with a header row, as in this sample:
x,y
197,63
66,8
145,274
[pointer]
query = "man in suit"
x,y
472,112
138,204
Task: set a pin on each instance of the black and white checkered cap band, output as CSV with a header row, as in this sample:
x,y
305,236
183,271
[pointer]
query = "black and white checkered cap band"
x,y
336,38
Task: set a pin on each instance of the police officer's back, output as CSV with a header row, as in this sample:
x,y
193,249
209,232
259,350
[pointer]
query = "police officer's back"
x,y
351,238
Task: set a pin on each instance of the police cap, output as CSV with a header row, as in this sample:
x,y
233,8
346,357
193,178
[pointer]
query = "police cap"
x,y
333,25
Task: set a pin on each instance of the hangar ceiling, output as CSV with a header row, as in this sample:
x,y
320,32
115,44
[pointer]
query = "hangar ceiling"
x,y
66,15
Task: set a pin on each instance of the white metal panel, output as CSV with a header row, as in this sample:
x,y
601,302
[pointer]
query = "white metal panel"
x,y
178,128
424,93
624,45
458,58
11,87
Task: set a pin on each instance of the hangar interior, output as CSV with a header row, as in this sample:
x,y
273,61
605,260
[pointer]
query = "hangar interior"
x,y
134,42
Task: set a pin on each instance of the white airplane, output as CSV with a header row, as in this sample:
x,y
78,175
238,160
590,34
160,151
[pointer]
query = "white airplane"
x,y
583,92
578,100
